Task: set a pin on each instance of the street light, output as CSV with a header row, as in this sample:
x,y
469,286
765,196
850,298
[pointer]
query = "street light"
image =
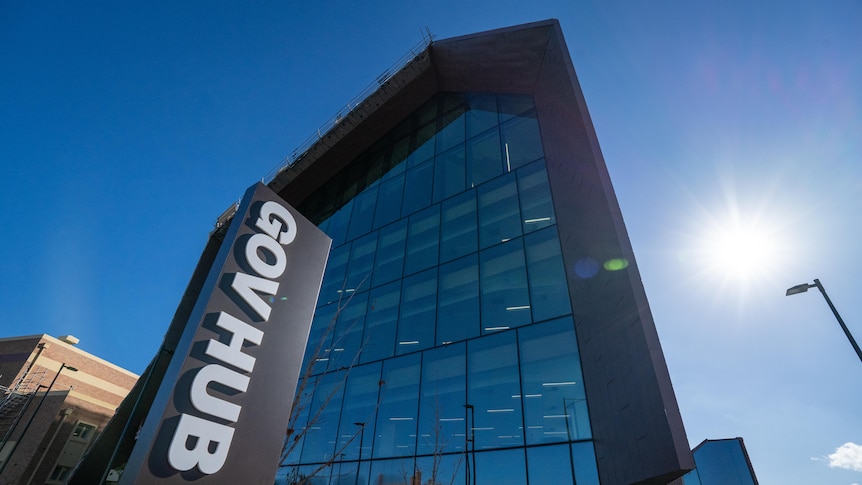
x,y
35,411
804,287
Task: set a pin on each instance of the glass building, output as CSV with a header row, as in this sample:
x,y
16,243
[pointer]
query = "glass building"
x,y
481,319
721,462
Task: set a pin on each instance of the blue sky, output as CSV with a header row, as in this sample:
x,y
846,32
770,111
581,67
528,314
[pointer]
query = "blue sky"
x,y
126,128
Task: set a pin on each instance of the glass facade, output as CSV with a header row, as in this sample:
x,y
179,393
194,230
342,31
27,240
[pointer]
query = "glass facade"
x,y
443,347
721,462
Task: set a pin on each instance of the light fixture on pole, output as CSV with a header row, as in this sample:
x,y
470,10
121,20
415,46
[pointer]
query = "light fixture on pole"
x,y
804,287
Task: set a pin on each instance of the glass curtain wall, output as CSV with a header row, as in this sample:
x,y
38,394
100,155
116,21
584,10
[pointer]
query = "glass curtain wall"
x,y
443,347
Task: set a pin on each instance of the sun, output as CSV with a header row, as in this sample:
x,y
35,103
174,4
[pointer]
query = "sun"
x,y
739,251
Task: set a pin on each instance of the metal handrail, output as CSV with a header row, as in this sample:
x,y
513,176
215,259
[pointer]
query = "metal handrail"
x,y
356,101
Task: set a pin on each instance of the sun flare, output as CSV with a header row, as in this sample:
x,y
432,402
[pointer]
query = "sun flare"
x,y
739,252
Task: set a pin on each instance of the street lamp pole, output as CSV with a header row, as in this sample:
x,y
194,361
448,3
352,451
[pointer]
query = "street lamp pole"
x,y
804,287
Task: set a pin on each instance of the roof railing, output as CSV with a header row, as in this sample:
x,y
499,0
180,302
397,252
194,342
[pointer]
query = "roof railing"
x,y
298,152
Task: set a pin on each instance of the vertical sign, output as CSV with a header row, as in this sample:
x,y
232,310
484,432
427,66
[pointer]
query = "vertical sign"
x,y
222,409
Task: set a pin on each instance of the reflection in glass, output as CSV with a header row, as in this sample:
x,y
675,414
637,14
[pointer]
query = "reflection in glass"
x,y
584,461
389,201
361,393
381,322
521,141
395,433
482,115
441,408
494,391
422,146
361,264
550,464
417,188
389,260
333,277
363,213
555,407
458,226
320,338
549,292
537,211
418,312
505,298
442,469
322,425
504,467
499,215
423,239
337,227
449,173
347,338
458,300
451,130
513,105
484,159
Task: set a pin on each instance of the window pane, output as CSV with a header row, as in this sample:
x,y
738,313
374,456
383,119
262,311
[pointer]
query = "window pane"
x,y
362,213
360,404
398,157
361,264
423,236
381,322
505,299
417,188
390,253
549,291
513,105
442,469
499,215
337,228
396,417
584,459
449,173
322,425
320,337
495,391
459,233
521,141
423,145
484,159
504,467
451,130
441,409
482,115
537,210
348,331
550,464
418,312
389,201
392,472
302,475
555,405
333,276
458,300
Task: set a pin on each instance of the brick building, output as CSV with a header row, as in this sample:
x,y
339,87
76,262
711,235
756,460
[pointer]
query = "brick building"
x,y
56,399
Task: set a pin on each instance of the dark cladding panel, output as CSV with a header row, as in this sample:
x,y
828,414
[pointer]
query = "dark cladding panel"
x,y
631,401
229,384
